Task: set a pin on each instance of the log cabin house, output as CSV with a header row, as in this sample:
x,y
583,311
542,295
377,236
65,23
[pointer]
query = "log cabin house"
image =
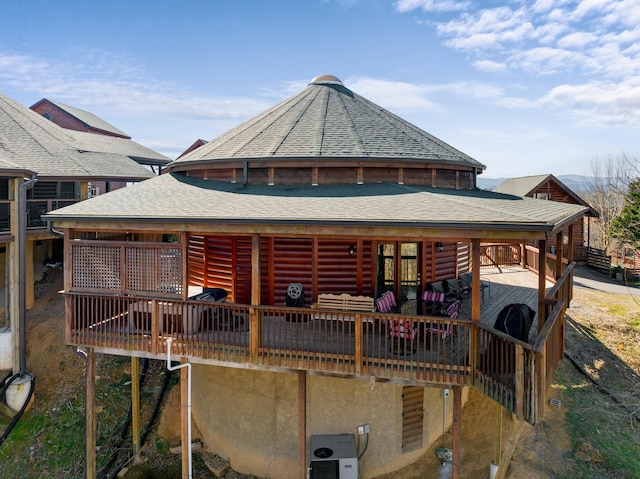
x,y
548,187
44,167
329,200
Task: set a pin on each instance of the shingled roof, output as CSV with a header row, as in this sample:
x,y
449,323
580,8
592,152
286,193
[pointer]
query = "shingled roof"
x,y
176,198
327,120
30,141
324,121
88,118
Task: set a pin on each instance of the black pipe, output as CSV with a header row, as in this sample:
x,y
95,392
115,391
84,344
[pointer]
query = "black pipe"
x,y
17,417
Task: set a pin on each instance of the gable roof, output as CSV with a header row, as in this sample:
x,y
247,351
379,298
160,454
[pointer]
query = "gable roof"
x,y
327,120
88,118
527,186
32,142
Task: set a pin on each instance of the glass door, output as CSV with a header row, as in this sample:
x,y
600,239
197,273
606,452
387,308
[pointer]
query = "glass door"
x,y
398,271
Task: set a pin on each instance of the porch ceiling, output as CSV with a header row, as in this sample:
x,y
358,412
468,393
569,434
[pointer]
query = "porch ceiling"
x,y
179,199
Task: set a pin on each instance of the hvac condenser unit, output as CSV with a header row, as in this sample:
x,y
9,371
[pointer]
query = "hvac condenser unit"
x,y
333,456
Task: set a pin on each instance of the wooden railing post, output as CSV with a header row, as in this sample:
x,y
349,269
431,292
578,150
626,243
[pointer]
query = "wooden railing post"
x,y
519,379
358,344
155,326
254,331
541,385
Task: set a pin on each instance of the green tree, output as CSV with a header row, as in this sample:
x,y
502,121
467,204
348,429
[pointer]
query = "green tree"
x,y
626,226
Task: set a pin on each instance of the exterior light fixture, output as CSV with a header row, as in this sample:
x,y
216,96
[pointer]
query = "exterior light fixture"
x,y
439,246
352,249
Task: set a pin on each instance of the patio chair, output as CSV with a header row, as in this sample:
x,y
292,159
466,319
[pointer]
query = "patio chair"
x,y
402,334
436,304
465,282
386,303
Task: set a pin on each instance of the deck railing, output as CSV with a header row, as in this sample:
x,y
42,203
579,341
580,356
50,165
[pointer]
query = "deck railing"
x,y
340,342
443,351
35,210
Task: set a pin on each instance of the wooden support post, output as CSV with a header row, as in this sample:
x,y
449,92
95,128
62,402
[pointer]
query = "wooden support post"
x,y
184,418
302,424
457,433
497,446
475,279
254,317
90,415
559,254
29,280
135,408
570,250
542,283
541,371
511,447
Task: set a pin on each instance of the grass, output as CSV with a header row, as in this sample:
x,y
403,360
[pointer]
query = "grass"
x,y
604,439
48,441
602,420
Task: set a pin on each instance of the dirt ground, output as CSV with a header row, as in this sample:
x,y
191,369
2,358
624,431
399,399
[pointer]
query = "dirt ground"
x,y
543,451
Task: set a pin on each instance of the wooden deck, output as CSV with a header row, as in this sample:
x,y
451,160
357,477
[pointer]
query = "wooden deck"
x,y
432,351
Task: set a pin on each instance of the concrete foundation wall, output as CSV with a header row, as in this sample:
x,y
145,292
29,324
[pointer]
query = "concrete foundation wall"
x,y
251,418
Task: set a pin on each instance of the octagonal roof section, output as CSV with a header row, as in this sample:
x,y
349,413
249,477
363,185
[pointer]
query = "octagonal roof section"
x,y
326,120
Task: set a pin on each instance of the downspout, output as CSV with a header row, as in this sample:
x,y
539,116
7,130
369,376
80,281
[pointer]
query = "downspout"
x,y
245,173
173,368
21,240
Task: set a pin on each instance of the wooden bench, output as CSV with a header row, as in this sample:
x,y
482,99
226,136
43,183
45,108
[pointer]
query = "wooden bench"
x,y
343,302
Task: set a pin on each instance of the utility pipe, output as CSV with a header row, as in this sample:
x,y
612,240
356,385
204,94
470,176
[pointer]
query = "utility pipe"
x,y
174,368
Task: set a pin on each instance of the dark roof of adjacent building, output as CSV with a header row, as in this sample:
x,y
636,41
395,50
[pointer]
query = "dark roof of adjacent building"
x,y
327,120
85,117
30,141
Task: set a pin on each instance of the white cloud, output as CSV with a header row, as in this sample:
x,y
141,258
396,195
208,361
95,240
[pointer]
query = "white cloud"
x,y
545,60
576,40
599,102
550,33
404,6
489,66
394,95
95,78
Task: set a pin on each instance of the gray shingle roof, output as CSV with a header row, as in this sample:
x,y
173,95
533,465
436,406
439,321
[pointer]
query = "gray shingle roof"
x,y
521,186
88,118
30,141
327,120
180,198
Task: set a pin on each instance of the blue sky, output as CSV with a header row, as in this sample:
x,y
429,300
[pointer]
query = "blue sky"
x,y
523,87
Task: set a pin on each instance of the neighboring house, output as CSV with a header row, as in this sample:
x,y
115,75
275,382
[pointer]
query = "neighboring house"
x,y
72,118
548,187
196,144
63,163
325,193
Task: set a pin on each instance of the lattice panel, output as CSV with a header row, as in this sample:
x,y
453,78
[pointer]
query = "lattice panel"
x,y
154,270
96,267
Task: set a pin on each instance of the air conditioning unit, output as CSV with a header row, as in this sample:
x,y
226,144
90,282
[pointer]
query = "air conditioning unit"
x,y
333,456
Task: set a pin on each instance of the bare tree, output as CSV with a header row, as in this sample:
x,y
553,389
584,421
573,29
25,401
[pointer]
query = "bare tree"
x,y
611,178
